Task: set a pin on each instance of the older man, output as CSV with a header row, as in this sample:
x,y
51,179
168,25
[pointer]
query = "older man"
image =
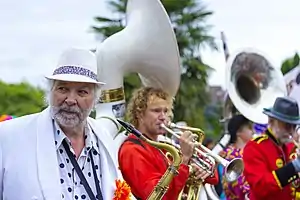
x,y
61,153
268,167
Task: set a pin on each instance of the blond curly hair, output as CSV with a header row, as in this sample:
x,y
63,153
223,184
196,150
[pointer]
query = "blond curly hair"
x,y
139,102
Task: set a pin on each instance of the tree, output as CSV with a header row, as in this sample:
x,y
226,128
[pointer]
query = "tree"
x,y
20,99
189,20
213,116
290,63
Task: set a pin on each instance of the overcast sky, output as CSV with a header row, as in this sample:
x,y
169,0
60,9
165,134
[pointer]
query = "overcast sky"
x,y
34,33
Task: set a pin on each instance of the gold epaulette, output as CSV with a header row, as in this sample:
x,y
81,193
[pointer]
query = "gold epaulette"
x,y
258,139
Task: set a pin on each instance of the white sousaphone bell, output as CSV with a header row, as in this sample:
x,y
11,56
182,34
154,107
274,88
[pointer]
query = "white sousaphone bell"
x,y
253,83
147,46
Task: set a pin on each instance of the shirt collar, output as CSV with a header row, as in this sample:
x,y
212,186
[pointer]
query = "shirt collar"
x,y
59,135
91,141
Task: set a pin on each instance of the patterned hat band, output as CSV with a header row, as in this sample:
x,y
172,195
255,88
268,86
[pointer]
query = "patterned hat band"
x,y
76,71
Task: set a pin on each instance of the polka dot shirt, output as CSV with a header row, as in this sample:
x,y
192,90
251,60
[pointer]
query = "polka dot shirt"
x,y
72,187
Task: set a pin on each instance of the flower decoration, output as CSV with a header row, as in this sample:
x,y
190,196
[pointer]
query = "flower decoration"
x,y
5,117
123,191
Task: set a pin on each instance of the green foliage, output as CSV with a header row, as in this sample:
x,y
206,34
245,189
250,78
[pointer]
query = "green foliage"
x,y
189,21
213,116
20,99
290,63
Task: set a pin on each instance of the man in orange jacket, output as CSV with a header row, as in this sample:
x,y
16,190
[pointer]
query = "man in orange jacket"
x,y
268,169
143,165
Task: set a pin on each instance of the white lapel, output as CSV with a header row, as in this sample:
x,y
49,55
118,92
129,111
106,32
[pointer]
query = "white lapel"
x,y
109,164
109,148
47,163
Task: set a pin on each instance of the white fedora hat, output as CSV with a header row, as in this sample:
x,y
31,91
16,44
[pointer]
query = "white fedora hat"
x,y
76,65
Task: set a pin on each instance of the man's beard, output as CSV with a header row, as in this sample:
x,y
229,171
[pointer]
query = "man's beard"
x,y
69,116
284,140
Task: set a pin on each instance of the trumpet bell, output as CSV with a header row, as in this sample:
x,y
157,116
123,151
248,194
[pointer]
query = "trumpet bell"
x,y
253,83
234,169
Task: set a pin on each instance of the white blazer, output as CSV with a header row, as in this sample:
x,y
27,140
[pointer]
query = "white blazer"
x,y
28,160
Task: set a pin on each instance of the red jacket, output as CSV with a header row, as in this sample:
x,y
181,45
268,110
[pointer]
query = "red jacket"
x,y
142,166
295,185
267,168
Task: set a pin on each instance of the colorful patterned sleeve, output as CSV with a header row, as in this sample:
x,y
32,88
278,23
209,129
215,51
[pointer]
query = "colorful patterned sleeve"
x,y
238,189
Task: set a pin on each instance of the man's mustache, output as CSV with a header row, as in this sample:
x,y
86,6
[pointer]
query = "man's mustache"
x,y
72,109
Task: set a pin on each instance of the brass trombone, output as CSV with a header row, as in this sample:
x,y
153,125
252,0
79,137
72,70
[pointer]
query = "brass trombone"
x,y
233,168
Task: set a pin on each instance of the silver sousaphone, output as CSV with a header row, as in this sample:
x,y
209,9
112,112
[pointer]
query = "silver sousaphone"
x,y
252,83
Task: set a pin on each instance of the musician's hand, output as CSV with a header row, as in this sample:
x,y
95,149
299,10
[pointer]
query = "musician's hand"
x,y
187,145
199,172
